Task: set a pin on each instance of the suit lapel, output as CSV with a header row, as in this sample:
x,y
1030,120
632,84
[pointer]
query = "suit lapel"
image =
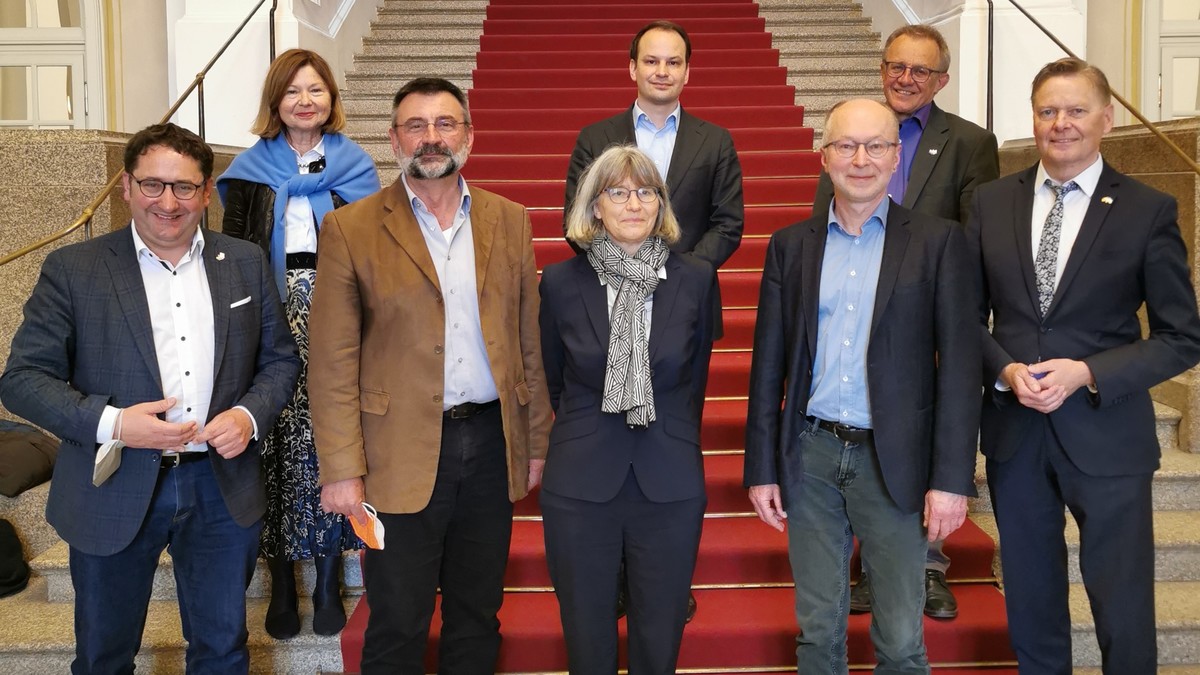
x,y
812,255
664,303
688,139
484,225
1093,222
131,296
594,297
402,225
895,243
622,131
929,150
219,288
1023,232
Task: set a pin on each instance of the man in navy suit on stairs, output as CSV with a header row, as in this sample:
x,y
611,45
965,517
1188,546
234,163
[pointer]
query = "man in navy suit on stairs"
x,y
697,159
862,419
943,158
168,341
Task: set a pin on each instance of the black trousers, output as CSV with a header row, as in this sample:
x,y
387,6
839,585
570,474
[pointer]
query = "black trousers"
x,y
585,542
1116,559
458,542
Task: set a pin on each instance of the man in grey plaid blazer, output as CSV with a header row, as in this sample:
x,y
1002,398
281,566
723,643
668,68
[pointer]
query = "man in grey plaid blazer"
x,y
169,342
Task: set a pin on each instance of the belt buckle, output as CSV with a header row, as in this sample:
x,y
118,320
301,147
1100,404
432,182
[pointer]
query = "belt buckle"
x,y
170,460
459,412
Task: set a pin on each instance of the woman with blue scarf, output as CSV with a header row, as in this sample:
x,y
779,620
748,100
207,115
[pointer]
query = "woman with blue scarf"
x,y
276,193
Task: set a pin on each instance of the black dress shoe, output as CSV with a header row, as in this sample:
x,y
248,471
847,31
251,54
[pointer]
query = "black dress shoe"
x,y
939,601
860,595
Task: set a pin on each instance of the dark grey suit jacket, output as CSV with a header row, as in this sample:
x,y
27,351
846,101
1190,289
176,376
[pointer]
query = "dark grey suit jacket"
x,y
1128,252
953,158
704,184
86,342
922,355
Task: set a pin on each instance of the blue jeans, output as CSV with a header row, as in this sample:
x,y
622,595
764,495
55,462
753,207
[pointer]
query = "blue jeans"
x,y
843,496
214,559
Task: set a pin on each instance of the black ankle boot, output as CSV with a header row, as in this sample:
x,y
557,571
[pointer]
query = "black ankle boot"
x,y
283,614
328,615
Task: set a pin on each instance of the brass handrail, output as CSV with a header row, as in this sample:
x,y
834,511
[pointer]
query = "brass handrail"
x,y
85,219
1187,159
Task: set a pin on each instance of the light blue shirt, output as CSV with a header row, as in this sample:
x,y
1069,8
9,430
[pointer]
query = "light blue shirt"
x,y
467,372
849,277
659,144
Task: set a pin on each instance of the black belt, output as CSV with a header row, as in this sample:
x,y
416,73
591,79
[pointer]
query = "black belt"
x,y
844,432
302,261
464,410
174,459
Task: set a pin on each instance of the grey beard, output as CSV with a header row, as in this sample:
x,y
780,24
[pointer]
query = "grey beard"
x,y
415,169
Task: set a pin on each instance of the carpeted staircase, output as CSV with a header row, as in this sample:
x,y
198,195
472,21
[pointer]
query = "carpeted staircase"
x,y
543,70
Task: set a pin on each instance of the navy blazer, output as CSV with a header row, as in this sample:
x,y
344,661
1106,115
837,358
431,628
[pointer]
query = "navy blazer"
x,y
922,358
86,342
1128,252
953,158
591,451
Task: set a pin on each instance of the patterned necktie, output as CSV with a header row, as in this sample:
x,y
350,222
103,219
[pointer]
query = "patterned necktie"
x,y
1046,263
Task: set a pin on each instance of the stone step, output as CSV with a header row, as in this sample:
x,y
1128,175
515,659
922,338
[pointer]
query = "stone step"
x,y
391,66
831,13
1177,612
27,513
1176,543
419,48
376,85
429,39
820,62
848,80
38,638
434,5
53,566
433,20
828,46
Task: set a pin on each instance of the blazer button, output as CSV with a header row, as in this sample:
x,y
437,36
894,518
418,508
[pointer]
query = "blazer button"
x,y
437,398
437,349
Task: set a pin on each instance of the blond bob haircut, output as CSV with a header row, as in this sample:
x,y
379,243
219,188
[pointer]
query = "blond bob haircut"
x,y
280,75
612,167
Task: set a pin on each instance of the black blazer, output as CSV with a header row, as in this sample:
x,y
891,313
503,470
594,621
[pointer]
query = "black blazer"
x,y
86,342
250,212
1128,252
953,158
704,184
591,451
921,358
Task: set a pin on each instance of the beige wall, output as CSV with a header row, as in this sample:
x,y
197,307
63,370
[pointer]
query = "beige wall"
x,y
1114,42
136,49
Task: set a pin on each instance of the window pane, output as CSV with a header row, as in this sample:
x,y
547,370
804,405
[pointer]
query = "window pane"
x,y
16,99
54,93
1180,10
15,14
1185,86
58,13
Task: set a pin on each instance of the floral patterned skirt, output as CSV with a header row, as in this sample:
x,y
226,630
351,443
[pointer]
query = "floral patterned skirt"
x,y
295,527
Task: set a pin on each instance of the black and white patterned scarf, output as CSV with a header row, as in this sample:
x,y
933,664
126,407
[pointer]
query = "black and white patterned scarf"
x,y
627,386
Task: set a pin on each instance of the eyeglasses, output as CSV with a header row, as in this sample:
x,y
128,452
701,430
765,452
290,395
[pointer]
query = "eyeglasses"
x,y
847,149
445,126
919,74
152,187
620,195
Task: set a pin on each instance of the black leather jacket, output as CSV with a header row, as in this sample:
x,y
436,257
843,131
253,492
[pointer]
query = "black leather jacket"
x,y
250,212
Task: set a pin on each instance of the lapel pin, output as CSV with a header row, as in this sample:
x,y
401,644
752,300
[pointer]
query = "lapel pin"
x,y
221,254
1106,200
933,151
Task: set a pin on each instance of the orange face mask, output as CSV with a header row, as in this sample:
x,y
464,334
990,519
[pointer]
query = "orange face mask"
x,y
369,529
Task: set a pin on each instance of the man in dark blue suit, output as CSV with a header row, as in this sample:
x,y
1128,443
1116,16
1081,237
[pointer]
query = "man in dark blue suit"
x,y
1069,250
166,347
860,420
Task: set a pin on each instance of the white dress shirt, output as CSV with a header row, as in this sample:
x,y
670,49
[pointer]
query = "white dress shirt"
x,y
300,231
181,317
1075,206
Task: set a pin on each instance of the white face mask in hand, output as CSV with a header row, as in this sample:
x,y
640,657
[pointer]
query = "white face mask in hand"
x,y
369,529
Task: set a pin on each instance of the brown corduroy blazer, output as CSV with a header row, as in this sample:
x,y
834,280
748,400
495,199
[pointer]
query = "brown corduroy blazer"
x,y
377,351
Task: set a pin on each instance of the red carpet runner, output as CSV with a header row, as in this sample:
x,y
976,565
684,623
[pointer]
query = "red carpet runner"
x,y
545,69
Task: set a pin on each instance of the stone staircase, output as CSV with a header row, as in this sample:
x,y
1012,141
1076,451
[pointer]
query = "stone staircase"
x,y
830,52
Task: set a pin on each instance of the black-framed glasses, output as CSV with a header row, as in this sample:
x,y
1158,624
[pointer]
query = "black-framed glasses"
x,y
847,149
153,187
919,74
446,126
620,195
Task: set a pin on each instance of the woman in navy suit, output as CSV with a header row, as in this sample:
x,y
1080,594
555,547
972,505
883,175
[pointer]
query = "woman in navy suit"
x,y
626,337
